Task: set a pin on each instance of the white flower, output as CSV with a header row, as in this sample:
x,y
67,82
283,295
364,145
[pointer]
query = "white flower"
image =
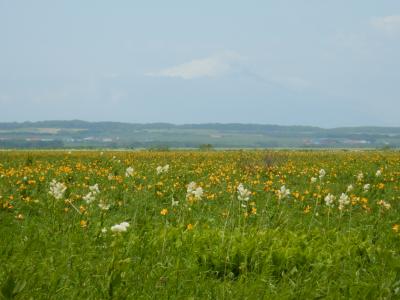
x,y
57,189
283,192
360,176
329,199
190,188
366,187
159,170
89,198
198,193
378,173
193,189
349,188
126,224
322,173
162,169
120,227
384,204
129,172
104,206
94,189
243,194
313,180
173,202
104,230
343,201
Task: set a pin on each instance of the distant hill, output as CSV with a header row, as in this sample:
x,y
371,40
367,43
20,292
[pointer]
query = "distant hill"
x,y
81,134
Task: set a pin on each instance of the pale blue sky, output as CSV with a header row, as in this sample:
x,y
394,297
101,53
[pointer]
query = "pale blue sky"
x,y
305,62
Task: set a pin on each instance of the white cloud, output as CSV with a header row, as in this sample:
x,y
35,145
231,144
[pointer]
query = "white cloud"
x,y
212,66
388,24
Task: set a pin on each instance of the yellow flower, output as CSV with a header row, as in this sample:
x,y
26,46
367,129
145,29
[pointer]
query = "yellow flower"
x,y
83,223
189,226
225,214
82,209
164,212
211,196
396,227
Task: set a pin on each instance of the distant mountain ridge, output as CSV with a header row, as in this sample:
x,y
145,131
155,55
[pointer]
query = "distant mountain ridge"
x,y
83,134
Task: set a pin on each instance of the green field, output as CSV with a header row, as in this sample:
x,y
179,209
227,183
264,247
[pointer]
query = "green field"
x,y
200,225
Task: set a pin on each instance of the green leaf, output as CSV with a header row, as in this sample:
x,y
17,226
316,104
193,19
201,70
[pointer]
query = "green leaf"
x,y
19,287
7,288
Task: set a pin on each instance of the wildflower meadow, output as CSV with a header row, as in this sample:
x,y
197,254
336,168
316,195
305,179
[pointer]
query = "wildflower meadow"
x,y
200,224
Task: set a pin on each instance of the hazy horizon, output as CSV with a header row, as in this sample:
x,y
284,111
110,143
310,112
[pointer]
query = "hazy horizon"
x,y
305,63
204,123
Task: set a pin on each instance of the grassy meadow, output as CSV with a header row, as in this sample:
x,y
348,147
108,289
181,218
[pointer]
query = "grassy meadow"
x,y
200,225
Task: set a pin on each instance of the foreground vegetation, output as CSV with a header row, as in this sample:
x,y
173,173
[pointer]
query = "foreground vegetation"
x,y
225,225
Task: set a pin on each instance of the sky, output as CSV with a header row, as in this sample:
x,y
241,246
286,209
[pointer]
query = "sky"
x,y
324,63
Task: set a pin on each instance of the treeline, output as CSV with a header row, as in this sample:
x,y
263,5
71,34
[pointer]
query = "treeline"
x,y
94,127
